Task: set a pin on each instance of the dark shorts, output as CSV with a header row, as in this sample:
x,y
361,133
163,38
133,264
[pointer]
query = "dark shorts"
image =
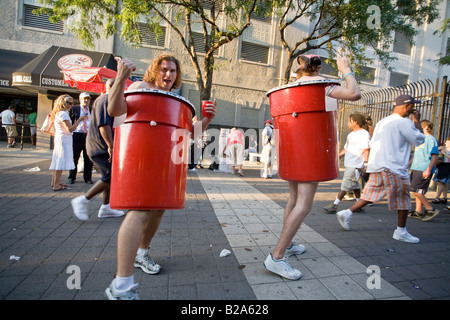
x,y
103,165
419,184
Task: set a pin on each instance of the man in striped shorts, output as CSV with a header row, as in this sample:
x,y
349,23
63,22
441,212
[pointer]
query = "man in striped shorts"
x,y
388,165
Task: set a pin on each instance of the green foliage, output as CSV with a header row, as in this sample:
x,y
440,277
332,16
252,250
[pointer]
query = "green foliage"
x,y
338,26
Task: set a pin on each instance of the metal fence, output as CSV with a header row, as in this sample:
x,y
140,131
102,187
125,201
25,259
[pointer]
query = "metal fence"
x,y
435,106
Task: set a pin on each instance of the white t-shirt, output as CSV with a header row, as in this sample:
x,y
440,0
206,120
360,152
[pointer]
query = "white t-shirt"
x,y
7,117
390,147
357,142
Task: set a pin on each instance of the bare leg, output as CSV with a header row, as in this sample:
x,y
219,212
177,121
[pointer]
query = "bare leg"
x,y
98,188
56,179
130,235
293,220
151,228
402,216
421,200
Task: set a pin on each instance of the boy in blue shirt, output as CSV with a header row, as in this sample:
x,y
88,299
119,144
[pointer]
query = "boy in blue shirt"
x,y
422,169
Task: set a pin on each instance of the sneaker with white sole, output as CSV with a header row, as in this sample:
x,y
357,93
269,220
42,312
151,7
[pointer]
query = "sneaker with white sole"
x,y
405,236
131,294
106,212
294,249
332,208
282,268
146,263
80,207
429,214
344,217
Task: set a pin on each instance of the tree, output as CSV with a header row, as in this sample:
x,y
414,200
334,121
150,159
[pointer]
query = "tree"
x,y
351,25
101,18
445,60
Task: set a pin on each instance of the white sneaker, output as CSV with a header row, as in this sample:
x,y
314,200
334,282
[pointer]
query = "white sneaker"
x,y
106,212
282,268
295,248
131,294
344,217
80,207
146,263
405,236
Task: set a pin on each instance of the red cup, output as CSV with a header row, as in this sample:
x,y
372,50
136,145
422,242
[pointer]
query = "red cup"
x,y
205,103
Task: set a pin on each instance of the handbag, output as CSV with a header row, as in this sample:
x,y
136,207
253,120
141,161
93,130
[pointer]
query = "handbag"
x,y
49,125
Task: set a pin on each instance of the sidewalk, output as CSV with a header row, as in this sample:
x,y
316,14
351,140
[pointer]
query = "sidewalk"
x,y
242,215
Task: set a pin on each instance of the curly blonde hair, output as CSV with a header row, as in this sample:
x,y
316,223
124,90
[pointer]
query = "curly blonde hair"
x,y
153,70
60,103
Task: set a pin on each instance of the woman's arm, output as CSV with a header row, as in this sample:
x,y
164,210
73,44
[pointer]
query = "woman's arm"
x,y
351,90
71,127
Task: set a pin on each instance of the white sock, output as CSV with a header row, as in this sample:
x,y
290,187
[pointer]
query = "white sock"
x,y
142,251
402,230
356,199
123,283
337,201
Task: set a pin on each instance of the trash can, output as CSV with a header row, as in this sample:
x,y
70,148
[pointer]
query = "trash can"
x,y
151,148
305,123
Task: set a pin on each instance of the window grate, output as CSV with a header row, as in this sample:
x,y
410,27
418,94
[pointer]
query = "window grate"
x,y
40,22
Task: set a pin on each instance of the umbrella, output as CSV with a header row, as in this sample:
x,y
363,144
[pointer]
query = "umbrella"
x,y
91,79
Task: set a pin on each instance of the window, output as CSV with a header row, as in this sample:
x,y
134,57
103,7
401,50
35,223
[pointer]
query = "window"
x,y
40,21
327,68
402,44
152,38
398,79
368,75
256,40
254,52
199,46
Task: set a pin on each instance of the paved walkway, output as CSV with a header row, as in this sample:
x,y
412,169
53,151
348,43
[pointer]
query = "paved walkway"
x,y
242,215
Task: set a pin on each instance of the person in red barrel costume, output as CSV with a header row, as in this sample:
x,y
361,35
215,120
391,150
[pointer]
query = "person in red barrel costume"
x,y
301,194
139,226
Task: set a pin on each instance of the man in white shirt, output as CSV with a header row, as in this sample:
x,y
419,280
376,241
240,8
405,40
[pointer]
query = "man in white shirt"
x,y
390,151
79,138
9,123
355,153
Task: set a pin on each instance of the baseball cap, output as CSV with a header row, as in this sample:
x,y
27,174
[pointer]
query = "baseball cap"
x,y
404,99
268,121
84,95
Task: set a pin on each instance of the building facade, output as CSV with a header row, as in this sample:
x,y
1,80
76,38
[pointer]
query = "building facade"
x,y
247,67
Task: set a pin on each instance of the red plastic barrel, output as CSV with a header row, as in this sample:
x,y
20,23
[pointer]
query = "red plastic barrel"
x,y
151,147
306,132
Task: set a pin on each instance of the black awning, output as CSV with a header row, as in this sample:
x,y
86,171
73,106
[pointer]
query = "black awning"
x,y
10,61
44,71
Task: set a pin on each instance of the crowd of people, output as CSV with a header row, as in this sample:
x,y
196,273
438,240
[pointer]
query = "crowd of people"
x,y
380,157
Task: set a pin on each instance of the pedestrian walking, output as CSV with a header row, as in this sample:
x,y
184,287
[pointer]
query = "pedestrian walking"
x,y
356,155
62,157
99,147
422,169
139,226
267,154
9,123
442,175
235,146
79,138
390,151
301,194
